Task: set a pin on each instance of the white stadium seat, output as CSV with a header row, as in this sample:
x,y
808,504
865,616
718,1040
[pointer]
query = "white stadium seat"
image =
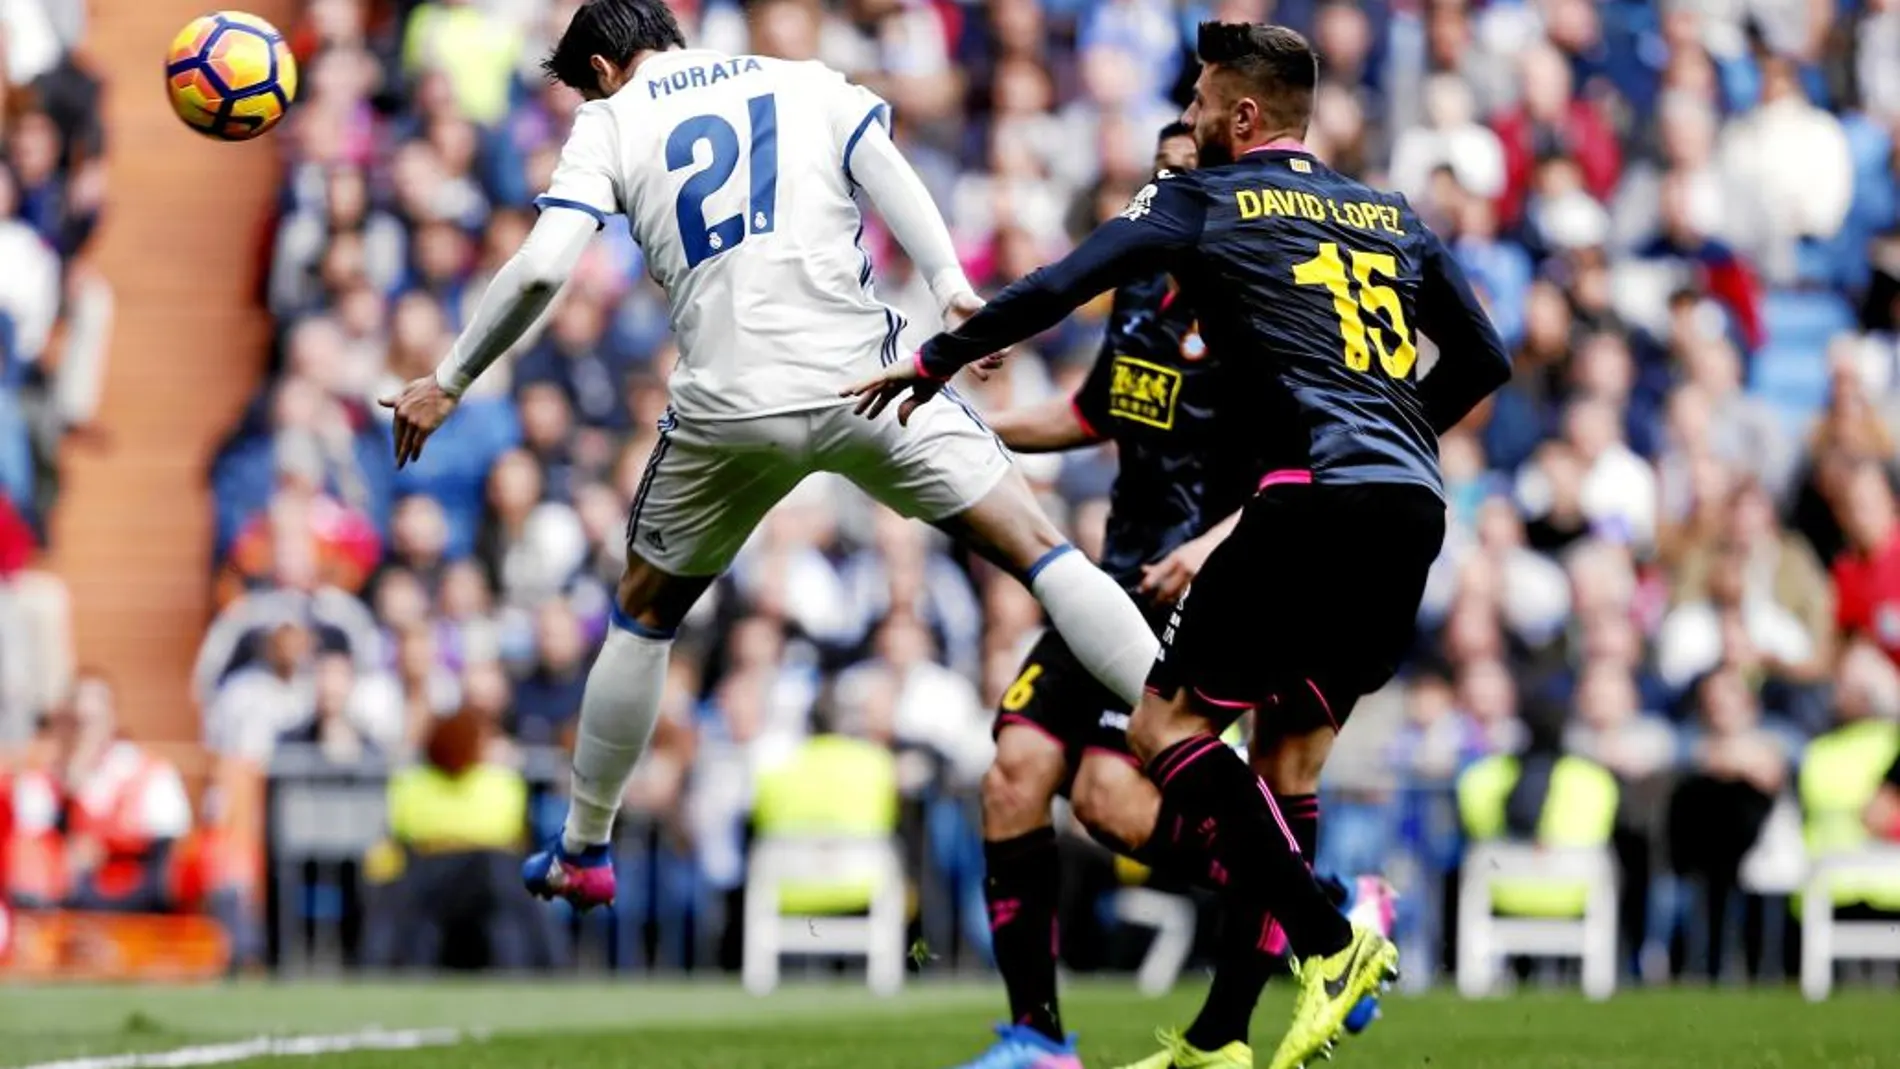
x,y
1825,940
770,934
1486,939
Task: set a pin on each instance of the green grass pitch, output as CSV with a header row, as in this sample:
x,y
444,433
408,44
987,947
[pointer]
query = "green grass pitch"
x,y
562,1025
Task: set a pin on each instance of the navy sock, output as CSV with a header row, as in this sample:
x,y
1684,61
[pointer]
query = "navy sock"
x,y
1249,946
1254,845
1020,885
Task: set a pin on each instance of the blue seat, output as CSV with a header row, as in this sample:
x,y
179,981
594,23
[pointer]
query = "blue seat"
x,y
1792,379
1805,318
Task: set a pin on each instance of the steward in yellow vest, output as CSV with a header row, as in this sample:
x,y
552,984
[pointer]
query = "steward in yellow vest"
x,y
1543,797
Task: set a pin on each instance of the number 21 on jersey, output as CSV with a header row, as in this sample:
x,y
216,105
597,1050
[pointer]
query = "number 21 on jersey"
x,y
1328,269
701,240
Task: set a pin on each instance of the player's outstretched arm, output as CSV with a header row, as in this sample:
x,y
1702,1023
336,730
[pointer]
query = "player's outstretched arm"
x,y
1164,219
875,164
1472,360
520,292
1050,427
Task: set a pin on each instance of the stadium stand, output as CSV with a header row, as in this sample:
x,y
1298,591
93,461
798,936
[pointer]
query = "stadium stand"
x,y
1672,534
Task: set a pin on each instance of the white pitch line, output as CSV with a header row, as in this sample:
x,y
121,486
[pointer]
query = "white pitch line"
x,y
268,1047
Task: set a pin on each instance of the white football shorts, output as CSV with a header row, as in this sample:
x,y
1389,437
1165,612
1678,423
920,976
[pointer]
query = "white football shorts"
x,y
709,482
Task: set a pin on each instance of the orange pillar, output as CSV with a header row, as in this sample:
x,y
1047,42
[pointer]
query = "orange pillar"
x,y
180,245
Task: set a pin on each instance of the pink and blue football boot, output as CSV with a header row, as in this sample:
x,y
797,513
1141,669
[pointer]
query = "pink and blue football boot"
x,y
1372,903
584,880
1021,1047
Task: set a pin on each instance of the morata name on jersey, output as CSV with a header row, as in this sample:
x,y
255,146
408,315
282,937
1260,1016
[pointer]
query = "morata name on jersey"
x,y
700,77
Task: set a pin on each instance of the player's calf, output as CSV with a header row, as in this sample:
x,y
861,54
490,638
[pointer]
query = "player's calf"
x,y
1021,782
1115,802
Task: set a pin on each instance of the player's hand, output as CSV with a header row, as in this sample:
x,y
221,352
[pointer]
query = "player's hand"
x,y
420,408
1167,579
876,394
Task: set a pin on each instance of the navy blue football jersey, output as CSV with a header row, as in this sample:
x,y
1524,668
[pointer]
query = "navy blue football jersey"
x,y
1155,391
1313,287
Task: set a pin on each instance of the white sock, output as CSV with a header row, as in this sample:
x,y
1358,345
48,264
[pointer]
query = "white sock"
x,y
1097,619
618,708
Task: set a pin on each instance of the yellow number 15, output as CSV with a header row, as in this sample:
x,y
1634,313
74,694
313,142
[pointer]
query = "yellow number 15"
x,y
1329,270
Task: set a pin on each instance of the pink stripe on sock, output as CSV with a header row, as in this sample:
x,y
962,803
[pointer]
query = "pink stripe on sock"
x,y
1222,703
1286,477
1292,843
1323,704
1207,746
1272,938
1004,911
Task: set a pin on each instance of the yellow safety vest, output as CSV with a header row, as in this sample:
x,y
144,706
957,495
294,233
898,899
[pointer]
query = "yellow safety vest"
x,y
1840,772
485,808
832,786
1580,811
473,49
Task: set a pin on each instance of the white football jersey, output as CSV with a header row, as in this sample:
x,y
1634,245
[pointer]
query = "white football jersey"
x,y
734,172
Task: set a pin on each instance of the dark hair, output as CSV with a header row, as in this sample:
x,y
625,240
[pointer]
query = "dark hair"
x,y
1172,131
1279,67
616,29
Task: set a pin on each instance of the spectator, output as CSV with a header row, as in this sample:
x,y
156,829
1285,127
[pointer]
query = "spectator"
x,y
273,697
549,698
117,809
531,547
1551,122
429,689
475,50
1451,138
1792,161
927,704
1613,729
1867,575
30,287
1778,566
1597,478
344,727
1736,768
458,823
341,539
1735,625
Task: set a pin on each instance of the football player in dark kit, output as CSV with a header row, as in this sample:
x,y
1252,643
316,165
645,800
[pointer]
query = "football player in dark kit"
x,y
1155,391
1311,286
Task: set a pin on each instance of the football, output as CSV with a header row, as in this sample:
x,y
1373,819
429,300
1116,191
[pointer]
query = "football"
x,y
230,75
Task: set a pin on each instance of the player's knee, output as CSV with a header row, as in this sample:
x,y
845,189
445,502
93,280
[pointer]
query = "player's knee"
x,y
1115,802
1159,723
1017,790
1291,763
656,600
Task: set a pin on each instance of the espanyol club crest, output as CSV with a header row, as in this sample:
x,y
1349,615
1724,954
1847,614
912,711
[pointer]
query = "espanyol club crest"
x,y
1192,346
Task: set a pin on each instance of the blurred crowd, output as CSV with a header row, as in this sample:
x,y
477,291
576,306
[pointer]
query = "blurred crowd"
x,y
1673,544
54,316
77,782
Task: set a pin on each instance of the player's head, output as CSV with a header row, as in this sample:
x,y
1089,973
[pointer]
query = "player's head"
x,y
1175,149
605,41
1256,84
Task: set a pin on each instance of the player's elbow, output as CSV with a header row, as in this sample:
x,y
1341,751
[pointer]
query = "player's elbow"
x,y
540,273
